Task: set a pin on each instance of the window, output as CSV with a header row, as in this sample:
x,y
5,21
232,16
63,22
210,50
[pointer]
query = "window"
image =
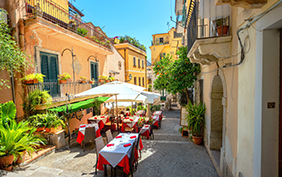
x,y
135,81
139,81
161,40
134,61
143,81
142,63
138,62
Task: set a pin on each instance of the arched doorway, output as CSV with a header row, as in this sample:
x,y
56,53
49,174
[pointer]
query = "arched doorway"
x,y
216,114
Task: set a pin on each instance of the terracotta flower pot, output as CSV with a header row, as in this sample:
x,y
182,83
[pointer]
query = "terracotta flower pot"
x,y
39,129
47,130
54,130
21,159
108,81
82,82
62,81
197,140
222,30
34,81
6,162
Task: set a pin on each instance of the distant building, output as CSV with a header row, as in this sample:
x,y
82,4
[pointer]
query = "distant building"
x,y
165,43
135,65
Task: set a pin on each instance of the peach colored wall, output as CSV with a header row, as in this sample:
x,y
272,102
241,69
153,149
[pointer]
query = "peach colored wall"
x,y
6,93
52,41
75,123
112,64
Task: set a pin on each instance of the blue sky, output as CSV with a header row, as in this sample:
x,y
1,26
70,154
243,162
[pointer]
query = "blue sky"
x,y
135,18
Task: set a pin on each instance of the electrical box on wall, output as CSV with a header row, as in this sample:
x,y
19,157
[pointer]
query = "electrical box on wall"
x,y
3,15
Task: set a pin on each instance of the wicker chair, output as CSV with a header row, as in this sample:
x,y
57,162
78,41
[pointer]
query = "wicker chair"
x,y
89,136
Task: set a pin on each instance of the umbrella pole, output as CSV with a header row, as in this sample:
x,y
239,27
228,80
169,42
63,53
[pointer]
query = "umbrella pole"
x,y
148,110
116,107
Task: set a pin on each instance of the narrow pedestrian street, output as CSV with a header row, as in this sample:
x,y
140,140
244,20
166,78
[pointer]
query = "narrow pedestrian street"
x,y
169,154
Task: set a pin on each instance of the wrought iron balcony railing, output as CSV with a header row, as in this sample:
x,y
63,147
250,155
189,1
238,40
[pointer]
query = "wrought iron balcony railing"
x,y
58,91
66,18
207,20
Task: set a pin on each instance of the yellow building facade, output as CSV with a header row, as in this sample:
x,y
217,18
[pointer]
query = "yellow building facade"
x,y
135,64
165,43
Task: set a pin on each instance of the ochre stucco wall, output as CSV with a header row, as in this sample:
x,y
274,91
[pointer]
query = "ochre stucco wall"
x,y
53,41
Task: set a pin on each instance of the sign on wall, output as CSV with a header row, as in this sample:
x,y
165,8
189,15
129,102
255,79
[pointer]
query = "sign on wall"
x,y
183,121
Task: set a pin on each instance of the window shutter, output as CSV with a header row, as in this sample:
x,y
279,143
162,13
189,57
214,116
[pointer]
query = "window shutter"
x,y
53,69
44,66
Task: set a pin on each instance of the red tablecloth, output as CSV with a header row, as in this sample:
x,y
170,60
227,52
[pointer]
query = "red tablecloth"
x,y
125,125
123,163
145,132
80,136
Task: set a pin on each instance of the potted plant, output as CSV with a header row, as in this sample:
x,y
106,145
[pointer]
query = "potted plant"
x,y
102,79
82,80
72,26
38,97
151,120
33,78
63,78
221,26
53,123
196,120
92,81
16,138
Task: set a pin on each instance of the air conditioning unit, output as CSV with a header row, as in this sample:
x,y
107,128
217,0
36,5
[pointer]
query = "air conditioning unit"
x,y
3,15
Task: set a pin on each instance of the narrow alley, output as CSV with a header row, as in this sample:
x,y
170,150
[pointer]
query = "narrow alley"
x,y
169,154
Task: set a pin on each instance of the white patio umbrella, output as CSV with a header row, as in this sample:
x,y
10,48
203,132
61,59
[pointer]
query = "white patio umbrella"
x,y
113,89
132,86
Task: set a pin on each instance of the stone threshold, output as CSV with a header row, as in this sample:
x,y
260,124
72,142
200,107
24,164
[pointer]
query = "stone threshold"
x,y
214,161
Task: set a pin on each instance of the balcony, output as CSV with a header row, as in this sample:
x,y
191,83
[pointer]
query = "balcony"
x,y
66,17
208,32
58,91
247,4
160,43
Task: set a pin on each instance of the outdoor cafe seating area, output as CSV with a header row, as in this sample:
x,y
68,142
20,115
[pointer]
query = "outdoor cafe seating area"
x,y
125,148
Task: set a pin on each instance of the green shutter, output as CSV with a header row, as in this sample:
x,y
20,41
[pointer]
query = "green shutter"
x,y
94,72
49,67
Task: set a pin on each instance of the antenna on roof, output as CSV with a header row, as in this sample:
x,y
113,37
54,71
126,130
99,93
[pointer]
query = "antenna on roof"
x,y
167,26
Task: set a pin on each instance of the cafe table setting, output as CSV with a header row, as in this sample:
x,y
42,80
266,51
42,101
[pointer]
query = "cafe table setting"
x,y
130,122
117,152
140,113
158,113
81,131
145,131
100,119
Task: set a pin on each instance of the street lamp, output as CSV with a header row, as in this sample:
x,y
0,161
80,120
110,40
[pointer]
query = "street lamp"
x,y
72,55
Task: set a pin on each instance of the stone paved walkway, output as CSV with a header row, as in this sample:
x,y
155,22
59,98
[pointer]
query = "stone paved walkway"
x,y
168,154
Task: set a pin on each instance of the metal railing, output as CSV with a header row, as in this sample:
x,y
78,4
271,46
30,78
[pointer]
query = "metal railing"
x,y
63,17
160,43
57,90
208,21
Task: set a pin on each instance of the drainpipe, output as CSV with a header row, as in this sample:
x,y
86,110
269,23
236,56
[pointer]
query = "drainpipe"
x,y
251,21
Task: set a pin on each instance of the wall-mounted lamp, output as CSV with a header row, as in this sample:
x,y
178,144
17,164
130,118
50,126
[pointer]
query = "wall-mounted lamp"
x,y
72,55
130,77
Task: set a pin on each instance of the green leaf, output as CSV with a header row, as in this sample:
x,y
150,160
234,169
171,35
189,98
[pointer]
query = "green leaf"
x,y
9,110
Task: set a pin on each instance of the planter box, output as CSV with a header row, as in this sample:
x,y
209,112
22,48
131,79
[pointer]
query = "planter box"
x,y
54,130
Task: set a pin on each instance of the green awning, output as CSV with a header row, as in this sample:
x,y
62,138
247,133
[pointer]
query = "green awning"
x,y
73,107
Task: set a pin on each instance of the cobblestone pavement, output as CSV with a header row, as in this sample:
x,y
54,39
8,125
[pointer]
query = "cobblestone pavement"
x,y
169,154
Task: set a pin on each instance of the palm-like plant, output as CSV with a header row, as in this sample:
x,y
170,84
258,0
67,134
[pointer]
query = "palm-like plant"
x,y
17,137
195,118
